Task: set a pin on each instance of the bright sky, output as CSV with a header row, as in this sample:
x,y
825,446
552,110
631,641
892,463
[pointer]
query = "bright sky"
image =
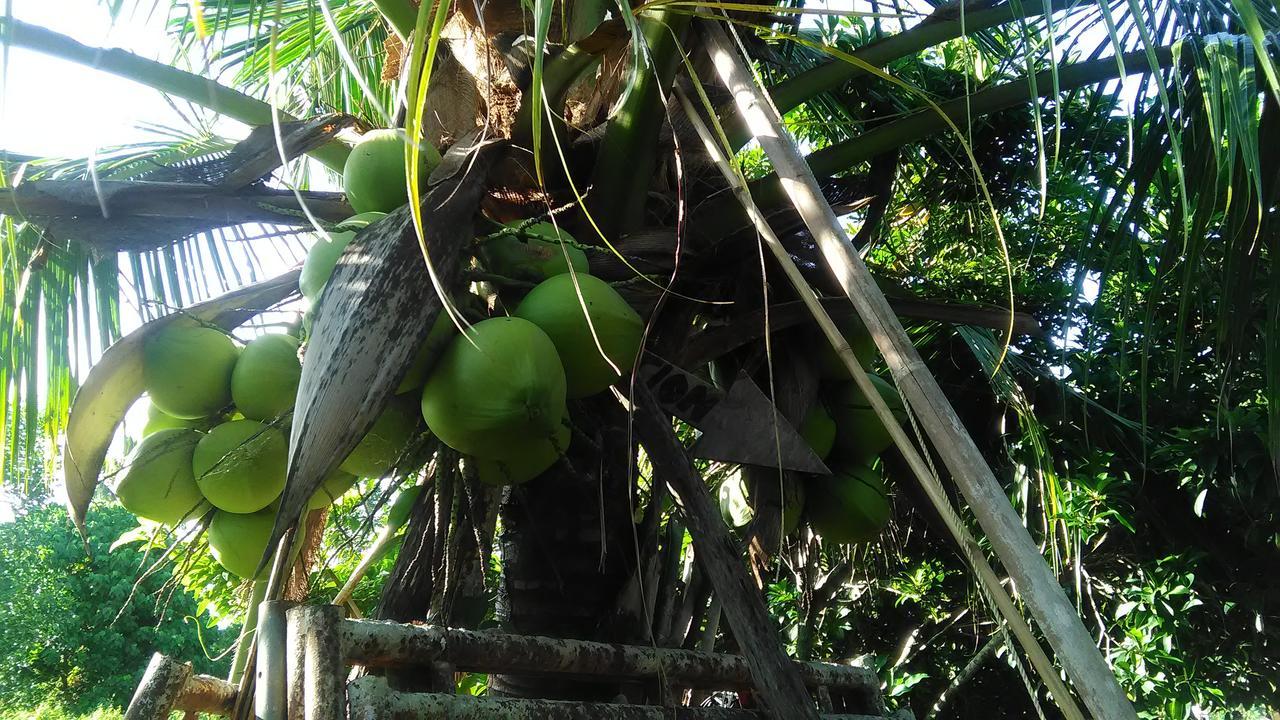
x,y
54,107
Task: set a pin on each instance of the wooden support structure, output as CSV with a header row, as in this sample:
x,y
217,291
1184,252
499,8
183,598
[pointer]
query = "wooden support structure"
x,y
304,652
380,644
169,685
319,647
371,699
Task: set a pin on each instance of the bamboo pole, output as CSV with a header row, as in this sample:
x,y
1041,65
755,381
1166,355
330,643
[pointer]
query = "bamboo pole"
x,y
1054,614
165,78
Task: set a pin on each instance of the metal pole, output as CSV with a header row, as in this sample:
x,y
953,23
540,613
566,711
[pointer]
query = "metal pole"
x,y
270,701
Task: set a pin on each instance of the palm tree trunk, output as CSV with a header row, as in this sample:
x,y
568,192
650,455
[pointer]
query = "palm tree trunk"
x,y
568,549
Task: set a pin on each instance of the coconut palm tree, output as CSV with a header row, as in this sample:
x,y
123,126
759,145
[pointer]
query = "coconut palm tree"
x,y
999,156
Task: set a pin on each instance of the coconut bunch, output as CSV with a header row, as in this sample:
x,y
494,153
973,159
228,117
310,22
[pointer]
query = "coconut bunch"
x,y
499,393
851,505
216,438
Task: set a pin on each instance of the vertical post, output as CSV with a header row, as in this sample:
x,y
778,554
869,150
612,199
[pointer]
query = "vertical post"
x,y
295,651
159,689
324,677
270,700
367,699
442,677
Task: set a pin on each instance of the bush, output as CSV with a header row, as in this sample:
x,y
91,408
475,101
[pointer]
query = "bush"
x,y
55,711
64,641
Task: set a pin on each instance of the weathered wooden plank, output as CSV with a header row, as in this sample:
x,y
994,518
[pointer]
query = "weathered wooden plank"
x,y
370,698
383,644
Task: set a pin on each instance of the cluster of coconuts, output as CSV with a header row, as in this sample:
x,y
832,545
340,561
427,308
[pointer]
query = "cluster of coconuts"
x,y
498,392
216,437
851,505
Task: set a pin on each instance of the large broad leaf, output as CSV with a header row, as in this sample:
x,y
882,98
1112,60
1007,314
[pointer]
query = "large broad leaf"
x,y
115,383
375,311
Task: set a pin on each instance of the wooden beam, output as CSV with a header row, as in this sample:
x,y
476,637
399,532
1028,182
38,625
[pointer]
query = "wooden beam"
x,y
370,698
381,644
159,689
1049,605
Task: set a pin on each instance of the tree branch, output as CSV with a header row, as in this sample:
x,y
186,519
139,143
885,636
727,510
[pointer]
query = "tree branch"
x,y
167,79
714,217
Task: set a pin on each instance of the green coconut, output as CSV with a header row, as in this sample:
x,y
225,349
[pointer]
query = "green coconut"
x,y
374,175
381,447
830,366
323,256
264,383
334,487
536,253
158,420
321,260
554,305
442,331
240,465
525,460
850,505
819,430
159,484
186,369
735,509
859,433
398,515
239,540
500,384
762,487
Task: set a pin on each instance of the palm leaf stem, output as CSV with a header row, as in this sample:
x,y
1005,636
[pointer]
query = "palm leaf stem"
x,y
842,156
830,75
400,14
625,165
169,80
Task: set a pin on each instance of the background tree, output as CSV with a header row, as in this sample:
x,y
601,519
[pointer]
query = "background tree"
x,y
77,628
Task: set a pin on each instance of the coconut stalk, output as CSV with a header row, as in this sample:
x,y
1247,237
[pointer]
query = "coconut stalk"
x,y
1054,613
627,157
169,80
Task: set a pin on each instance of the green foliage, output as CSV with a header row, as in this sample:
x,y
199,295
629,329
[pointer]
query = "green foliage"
x,y
51,711
70,634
